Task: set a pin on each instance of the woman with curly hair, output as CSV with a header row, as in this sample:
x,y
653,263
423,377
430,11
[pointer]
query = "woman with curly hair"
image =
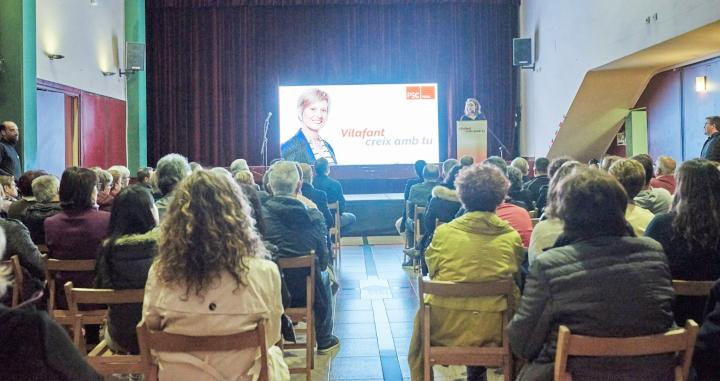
x,y
211,277
689,232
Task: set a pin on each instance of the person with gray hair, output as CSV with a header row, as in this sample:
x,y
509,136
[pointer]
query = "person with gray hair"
x,y
171,169
447,165
121,178
239,165
296,230
45,189
315,195
104,189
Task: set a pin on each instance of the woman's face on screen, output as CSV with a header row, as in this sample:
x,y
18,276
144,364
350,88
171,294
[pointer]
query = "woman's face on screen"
x,y
315,115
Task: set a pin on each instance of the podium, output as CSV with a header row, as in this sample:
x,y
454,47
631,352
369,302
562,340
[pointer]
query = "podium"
x,y
471,137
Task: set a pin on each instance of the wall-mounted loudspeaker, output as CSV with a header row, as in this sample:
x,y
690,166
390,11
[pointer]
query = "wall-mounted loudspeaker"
x,y
522,52
134,56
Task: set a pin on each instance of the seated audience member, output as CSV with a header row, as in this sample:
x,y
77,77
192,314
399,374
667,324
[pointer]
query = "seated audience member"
x,y
239,165
17,209
105,186
443,207
444,204
19,243
124,260
608,161
211,277
476,247
706,359
143,177
542,193
256,205
593,163
9,188
541,177
631,176
522,164
77,231
656,200
420,196
305,200
600,281
195,166
466,161
419,167
45,188
689,234
296,230
171,169
517,216
34,347
665,174
244,177
121,178
447,166
333,190
547,231
516,194
316,196
6,194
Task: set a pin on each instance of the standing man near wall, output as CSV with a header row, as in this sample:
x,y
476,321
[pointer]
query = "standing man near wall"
x,y
711,148
9,158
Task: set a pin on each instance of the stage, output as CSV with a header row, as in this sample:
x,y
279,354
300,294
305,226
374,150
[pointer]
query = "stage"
x,y
376,214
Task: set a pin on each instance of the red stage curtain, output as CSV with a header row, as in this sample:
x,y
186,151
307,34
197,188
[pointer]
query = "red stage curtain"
x,y
214,66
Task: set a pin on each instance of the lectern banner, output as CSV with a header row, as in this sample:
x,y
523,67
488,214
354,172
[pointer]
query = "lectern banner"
x,y
472,139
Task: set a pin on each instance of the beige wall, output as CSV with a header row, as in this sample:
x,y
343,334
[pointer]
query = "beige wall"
x,y
573,37
90,34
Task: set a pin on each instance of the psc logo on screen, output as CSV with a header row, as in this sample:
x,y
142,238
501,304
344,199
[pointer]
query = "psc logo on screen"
x,y
420,92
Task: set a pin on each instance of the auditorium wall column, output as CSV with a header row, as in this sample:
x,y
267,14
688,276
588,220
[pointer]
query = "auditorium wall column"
x,y
18,98
136,90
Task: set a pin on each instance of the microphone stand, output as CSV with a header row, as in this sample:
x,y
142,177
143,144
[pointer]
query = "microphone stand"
x,y
263,150
499,142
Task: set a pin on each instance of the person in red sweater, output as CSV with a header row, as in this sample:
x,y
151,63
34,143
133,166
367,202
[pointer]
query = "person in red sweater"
x,y
665,174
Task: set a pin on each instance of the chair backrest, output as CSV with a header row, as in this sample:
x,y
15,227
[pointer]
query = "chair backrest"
x,y
305,261
335,209
676,340
17,278
168,342
79,296
53,266
477,289
692,288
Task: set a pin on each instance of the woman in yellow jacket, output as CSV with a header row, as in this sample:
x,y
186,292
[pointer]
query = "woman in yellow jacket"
x,y
476,247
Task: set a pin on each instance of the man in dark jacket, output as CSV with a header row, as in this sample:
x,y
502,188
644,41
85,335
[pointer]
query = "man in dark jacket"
x,y
707,348
419,167
541,177
333,190
315,195
598,280
45,188
296,230
9,158
711,147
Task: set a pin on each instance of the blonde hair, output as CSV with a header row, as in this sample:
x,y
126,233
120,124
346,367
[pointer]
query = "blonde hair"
x,y
244,177
208,230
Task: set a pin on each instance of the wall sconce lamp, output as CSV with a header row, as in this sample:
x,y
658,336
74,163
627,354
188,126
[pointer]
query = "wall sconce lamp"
x,y
53,57
701,84
108,73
